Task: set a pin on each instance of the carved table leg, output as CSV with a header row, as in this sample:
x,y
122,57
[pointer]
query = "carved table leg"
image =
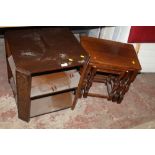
x,y
120,85
23,81
89,80
125,86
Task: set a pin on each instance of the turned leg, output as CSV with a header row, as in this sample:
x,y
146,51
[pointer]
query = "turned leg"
x,y
121,86
89,82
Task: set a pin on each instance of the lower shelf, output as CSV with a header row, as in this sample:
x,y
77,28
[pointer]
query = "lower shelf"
x,y
49,84
51,103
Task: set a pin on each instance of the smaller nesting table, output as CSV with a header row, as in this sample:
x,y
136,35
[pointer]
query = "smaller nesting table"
x,y
113,63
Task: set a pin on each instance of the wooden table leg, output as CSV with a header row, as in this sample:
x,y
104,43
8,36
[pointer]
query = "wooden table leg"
x,y
23,81
89,80
123,86
7,55
8,70
79,91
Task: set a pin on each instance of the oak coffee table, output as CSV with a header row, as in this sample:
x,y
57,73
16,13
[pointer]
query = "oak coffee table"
x,y
43,66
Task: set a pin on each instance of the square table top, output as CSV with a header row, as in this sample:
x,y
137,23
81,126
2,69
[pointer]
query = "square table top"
x,y
111,54
45,49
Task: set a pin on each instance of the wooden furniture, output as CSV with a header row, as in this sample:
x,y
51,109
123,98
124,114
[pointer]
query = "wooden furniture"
x,y
43,69
113,63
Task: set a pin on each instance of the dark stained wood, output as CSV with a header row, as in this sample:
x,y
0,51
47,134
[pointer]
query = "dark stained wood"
x,y
81,85
51,103
38,52
23,84
117,62
10,75
45,49
111,54
97,95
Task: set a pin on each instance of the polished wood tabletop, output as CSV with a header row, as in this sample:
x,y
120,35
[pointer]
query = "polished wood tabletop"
x,y
112,54
45,49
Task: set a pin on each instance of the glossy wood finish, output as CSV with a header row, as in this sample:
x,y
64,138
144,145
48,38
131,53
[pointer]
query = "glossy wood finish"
x,y
45,49
37,52
117,64
111,54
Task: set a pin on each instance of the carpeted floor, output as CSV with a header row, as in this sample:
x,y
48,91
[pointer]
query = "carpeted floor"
x,y
136,111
